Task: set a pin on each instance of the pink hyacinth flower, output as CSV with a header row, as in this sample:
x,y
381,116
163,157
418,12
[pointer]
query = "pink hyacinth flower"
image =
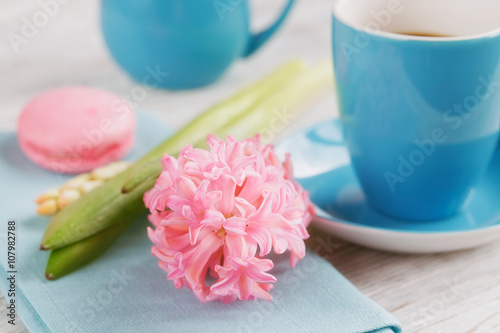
x,y
220,212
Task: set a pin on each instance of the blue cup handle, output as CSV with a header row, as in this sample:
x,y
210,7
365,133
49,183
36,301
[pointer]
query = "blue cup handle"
x,y
260,38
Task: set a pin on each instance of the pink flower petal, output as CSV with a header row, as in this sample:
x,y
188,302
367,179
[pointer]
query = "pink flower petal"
x,y
213,210
235,226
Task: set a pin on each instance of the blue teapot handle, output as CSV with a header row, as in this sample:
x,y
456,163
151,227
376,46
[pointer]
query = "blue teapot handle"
x,y
260,38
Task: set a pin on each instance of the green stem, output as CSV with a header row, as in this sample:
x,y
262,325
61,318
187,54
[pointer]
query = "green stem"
x,y
98,219
218,116
72,257
272,114
117,198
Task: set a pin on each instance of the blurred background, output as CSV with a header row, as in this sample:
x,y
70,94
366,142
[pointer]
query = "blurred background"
x,y
68,49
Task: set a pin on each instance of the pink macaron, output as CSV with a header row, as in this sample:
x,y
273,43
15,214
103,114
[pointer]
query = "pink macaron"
x,y
76,129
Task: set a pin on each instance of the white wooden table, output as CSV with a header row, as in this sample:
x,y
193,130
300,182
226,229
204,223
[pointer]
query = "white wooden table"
x,y
454,292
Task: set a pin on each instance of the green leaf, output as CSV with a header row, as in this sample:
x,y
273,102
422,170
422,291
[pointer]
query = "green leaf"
x,y
107,205
67,259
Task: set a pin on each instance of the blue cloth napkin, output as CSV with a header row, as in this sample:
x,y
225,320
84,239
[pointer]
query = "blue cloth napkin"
x,y
125,291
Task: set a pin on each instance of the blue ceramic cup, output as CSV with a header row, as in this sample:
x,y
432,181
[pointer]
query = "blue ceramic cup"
x,y
418,85
180,44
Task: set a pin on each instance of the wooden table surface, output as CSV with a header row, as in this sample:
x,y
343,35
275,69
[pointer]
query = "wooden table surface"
x,y
451,292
